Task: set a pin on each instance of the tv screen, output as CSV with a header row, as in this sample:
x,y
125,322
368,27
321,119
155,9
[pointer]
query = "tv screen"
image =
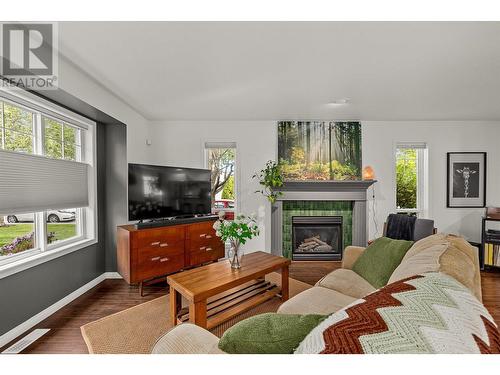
x,y
157,192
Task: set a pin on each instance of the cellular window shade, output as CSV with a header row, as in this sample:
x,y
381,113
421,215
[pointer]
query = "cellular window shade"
x,y
413,145
220,144
30,183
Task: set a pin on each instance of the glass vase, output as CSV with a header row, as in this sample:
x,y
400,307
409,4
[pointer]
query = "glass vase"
x,y
235,255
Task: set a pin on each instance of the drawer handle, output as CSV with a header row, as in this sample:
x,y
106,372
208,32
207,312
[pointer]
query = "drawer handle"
x,y
164,244
203,248
155,243
208,237
209,249
203,235
155,258
164,259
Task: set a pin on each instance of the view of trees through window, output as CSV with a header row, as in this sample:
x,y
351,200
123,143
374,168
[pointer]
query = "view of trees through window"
x,y
61,141
16,130
320,150
221,161
406,178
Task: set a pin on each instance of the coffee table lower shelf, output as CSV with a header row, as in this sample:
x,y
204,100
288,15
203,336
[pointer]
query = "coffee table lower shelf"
x,y
226,305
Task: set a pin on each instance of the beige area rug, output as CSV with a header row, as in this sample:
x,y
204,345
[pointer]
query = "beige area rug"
x,y
135,330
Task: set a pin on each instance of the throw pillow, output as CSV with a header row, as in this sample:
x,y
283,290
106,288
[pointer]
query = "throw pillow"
x,y
380,259
429,313
268,333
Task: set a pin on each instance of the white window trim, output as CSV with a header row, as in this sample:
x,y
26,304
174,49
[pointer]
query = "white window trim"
x,y
225,143
89,227
422,209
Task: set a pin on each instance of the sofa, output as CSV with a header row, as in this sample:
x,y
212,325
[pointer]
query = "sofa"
x,y
442,253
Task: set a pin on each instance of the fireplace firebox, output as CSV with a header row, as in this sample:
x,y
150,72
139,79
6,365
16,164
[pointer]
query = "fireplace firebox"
x,y
317,238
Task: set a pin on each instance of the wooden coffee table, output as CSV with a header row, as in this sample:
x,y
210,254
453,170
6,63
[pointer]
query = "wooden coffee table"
x,y
216,293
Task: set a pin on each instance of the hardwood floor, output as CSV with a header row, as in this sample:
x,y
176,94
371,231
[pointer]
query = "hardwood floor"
x,y
112,296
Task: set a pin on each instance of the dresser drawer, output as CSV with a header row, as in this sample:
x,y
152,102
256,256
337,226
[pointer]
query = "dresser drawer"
x,y
152,262
205,244
206,253
201,231
206,256
160,237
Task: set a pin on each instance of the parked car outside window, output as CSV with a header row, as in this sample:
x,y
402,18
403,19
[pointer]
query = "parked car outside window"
x,y
226,205
52,217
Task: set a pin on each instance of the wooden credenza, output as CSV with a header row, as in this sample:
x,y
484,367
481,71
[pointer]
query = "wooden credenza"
x,y
146,254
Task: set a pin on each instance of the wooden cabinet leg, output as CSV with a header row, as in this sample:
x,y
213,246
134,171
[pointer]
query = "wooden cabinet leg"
x,y
141,289
175,305
198,313
284,283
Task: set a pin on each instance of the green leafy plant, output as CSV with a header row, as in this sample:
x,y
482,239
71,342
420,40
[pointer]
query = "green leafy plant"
x,y
238,231
270,178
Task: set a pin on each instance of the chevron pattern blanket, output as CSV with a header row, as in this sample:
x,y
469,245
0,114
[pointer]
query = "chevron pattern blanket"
x,y
429,313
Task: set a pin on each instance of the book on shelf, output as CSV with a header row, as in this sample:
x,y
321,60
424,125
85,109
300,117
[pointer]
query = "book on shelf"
x,y
492,254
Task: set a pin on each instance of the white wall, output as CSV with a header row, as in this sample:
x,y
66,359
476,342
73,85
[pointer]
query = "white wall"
x,y
379,139
181,143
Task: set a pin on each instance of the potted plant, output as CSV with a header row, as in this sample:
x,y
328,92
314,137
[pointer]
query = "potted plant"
x,y
270,178
237,231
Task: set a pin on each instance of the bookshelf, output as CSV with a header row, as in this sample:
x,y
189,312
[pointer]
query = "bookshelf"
x,y
489,255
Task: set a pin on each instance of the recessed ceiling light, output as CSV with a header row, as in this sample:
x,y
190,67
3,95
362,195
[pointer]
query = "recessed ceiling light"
x,y
341,101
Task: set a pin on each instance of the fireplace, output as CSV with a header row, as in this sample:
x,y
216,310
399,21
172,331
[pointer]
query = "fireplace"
x,y
317,238
346,199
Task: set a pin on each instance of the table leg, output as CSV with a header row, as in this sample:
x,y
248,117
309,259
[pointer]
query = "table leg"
x,y
198,313
175,305
284,283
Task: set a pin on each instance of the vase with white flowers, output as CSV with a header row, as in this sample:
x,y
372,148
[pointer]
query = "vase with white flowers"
x,y
237,232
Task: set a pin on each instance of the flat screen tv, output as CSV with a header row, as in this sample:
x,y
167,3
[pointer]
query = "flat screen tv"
x,y
160,192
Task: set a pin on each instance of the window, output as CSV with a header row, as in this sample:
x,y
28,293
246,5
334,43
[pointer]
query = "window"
x,y
411,185
61,141
17,234
17,128
221,160
32,126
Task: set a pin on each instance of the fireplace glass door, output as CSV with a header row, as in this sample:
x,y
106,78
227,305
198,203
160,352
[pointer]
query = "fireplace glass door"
x,y
317,238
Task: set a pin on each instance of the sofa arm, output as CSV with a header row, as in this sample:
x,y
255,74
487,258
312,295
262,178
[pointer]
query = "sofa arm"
x,y
351,254
187,339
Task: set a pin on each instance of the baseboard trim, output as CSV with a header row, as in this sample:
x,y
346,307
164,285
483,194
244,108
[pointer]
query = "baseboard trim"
x,y
44,314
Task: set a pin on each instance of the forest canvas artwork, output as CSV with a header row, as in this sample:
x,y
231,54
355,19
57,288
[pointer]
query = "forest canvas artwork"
x,y
320,150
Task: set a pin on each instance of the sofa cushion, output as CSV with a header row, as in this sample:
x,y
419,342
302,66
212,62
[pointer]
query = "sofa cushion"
x,y
317,300
449,254
430,313
427,260
346,282
187,338
268,333
380,259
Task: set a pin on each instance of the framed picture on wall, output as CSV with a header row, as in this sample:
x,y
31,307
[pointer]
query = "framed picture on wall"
x,y
466,180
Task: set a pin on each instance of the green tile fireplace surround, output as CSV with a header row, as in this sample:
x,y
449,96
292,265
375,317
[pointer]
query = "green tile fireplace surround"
x,y
320,198
316,208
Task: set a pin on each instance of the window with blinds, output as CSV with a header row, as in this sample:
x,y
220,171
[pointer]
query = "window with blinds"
x,y
47,174
411,178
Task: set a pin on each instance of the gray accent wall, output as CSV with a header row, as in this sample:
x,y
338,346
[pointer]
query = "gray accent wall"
x,y
116,186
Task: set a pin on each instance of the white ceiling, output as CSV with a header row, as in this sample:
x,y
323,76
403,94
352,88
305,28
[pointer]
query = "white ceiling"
x,y
291,70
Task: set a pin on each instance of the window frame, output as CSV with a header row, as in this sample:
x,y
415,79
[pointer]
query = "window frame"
x,y
208,144
421,211
86,221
